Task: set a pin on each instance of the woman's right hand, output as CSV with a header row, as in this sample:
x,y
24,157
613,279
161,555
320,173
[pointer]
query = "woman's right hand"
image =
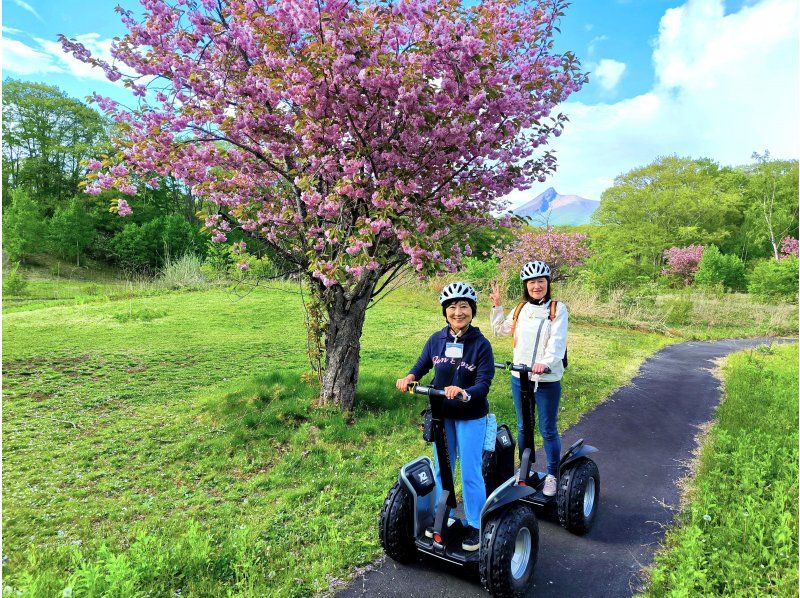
x,y
402,383
494,296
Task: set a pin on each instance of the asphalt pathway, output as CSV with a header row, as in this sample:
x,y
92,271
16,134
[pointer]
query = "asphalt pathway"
x,y
646,433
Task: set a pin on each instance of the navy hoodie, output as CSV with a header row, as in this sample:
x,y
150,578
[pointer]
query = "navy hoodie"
x,y
474,375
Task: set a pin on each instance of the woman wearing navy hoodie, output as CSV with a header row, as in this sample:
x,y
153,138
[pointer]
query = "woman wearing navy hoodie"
x,y
463,364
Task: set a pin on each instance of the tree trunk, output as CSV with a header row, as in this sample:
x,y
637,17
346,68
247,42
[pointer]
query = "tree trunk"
x,y
343,347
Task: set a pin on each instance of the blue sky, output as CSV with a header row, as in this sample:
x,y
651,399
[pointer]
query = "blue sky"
x,y
710,78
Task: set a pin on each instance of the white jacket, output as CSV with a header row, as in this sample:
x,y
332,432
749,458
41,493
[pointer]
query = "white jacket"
x,y
534,321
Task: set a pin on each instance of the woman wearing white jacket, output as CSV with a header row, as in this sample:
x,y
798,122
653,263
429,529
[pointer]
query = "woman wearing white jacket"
x,y
540,341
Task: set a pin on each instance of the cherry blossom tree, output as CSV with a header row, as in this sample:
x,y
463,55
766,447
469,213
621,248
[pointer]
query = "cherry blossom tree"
x,y
683,261
560,250
355,138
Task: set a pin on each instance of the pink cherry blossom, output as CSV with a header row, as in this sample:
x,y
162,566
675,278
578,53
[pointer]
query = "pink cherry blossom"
x,y
561,251
789,246
683,261
385,126
123,208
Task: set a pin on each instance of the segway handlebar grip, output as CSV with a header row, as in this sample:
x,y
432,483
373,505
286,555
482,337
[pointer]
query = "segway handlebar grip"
x,y
517,367
430,391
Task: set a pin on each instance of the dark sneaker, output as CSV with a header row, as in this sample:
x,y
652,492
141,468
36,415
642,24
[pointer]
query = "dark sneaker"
x,y
472,540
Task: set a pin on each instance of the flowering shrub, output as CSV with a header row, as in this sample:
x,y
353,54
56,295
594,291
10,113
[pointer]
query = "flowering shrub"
x,y
789,246
683,261
560,251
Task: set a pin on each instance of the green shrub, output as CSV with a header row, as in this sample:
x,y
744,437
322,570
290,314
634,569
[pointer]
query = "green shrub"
x,y
183,272
718,268
257,268
480,273
22,226
149,246
775,279
71,230
607,272
14,281
218,260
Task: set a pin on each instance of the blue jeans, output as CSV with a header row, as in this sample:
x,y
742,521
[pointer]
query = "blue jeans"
x,y
465,442
548,396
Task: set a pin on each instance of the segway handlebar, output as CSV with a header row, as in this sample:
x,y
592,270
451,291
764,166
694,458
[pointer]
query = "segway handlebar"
x,y
517,367
430,391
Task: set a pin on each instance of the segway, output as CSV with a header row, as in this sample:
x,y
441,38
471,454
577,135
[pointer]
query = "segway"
x,y
509,529
578,494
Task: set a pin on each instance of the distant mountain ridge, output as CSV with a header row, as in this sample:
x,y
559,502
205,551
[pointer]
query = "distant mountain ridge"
x,y
563,210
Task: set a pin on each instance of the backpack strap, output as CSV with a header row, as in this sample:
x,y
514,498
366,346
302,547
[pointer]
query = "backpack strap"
x,y
514,323
553,310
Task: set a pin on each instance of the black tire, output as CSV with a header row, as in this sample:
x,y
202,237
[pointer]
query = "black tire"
x,y
396,525
573,514
499,573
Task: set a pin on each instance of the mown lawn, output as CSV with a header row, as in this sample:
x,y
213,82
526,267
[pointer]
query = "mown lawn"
x,y
737,535
168,445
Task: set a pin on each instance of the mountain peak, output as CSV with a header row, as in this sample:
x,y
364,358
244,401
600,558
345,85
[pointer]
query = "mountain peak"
x,y
558,209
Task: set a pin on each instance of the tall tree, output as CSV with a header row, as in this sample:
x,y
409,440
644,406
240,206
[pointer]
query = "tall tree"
x,y
22,226
352,137
772,190
47,137
671,202
71,230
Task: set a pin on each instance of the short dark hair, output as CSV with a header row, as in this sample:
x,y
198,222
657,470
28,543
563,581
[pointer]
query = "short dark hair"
x,y
526,298
473,306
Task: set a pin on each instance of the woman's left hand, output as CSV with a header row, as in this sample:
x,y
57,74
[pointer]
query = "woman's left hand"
x,y
454,392
538,368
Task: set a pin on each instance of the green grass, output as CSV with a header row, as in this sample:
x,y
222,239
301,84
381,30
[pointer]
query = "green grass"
x,y
737,535
687,315
170,442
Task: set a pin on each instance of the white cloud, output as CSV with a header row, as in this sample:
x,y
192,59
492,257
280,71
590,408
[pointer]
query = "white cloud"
x,y
99,47
27,7
46,56
595,41
21,59
725,86
609,72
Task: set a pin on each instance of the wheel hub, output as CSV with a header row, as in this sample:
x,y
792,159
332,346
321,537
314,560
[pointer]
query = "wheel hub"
x,y
588,498
522,553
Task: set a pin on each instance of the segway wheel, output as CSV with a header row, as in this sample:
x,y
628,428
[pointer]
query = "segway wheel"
x,y
579,496
396,525
509,548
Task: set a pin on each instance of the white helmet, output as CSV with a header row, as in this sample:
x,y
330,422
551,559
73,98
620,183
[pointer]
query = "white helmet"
x,y
458,290
534,270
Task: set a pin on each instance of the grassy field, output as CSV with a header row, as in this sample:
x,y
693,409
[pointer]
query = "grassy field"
x,y
167,444
687,314
737,535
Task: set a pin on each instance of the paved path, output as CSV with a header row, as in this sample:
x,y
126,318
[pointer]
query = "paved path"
x,y
646,434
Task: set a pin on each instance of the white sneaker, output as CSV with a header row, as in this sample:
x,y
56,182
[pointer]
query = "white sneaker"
x,y
550,485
